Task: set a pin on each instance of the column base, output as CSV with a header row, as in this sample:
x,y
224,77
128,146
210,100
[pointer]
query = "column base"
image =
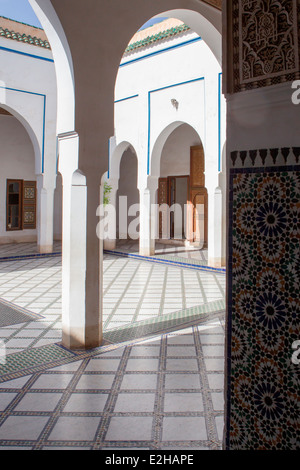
x,y
45,248
82,338
109,244
215,262
147,251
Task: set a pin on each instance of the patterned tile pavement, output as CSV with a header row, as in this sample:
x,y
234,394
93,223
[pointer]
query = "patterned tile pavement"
x,y
23,249
134,291
163,393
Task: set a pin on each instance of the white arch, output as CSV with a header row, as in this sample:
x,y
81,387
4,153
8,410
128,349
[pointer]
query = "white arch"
x,y
159,145
32,135
63,64
207,23
116,157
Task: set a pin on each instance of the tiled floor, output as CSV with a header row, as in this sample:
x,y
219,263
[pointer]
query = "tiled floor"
x,y
162,393
165,393
134,290
23,249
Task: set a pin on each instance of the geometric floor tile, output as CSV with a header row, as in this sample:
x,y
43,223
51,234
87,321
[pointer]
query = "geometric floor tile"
x,y
5,399
129,429
85,403
134,402
38,402
22,427
177,402
184,429
74,429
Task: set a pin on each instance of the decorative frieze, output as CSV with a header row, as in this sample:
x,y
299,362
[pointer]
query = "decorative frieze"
x,y
265,157
265,42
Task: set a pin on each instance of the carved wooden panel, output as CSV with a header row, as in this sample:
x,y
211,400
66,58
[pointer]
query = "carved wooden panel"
x,y
29,205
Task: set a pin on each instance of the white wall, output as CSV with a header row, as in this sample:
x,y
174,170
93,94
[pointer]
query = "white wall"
x,y
16,162
144,89
147,82
28,91
28,76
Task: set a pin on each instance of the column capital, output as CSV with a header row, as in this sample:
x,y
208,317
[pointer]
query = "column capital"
x,y
68,151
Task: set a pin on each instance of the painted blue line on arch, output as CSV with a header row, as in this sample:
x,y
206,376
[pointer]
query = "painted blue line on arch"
x,y
127,98
32,56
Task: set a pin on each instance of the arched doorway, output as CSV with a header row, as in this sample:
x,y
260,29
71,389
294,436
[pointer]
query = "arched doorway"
x,y
18,183
128,198
182,183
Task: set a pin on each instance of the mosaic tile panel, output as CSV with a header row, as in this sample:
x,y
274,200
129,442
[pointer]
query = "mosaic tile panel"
x,y
263,308
29,359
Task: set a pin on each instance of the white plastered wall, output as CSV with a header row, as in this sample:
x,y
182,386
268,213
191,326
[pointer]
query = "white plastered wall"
x,y
17,162
185,70
28,91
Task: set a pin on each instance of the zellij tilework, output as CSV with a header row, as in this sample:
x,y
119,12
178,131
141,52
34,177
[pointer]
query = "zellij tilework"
x,y
263,308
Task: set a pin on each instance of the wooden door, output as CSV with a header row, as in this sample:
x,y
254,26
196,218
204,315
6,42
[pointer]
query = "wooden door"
x,y
198,197
163,198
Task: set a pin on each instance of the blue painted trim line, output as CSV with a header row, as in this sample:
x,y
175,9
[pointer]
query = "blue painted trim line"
x,y
149,111
166,261
32,256
186,43
44,116
127,98
32,56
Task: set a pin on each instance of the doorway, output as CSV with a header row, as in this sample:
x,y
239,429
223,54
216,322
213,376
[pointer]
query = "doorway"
x,y
188,195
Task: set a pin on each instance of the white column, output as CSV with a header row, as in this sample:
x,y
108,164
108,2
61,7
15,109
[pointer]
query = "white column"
x,y
74,243
45,208
215,228
110,242
148,217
